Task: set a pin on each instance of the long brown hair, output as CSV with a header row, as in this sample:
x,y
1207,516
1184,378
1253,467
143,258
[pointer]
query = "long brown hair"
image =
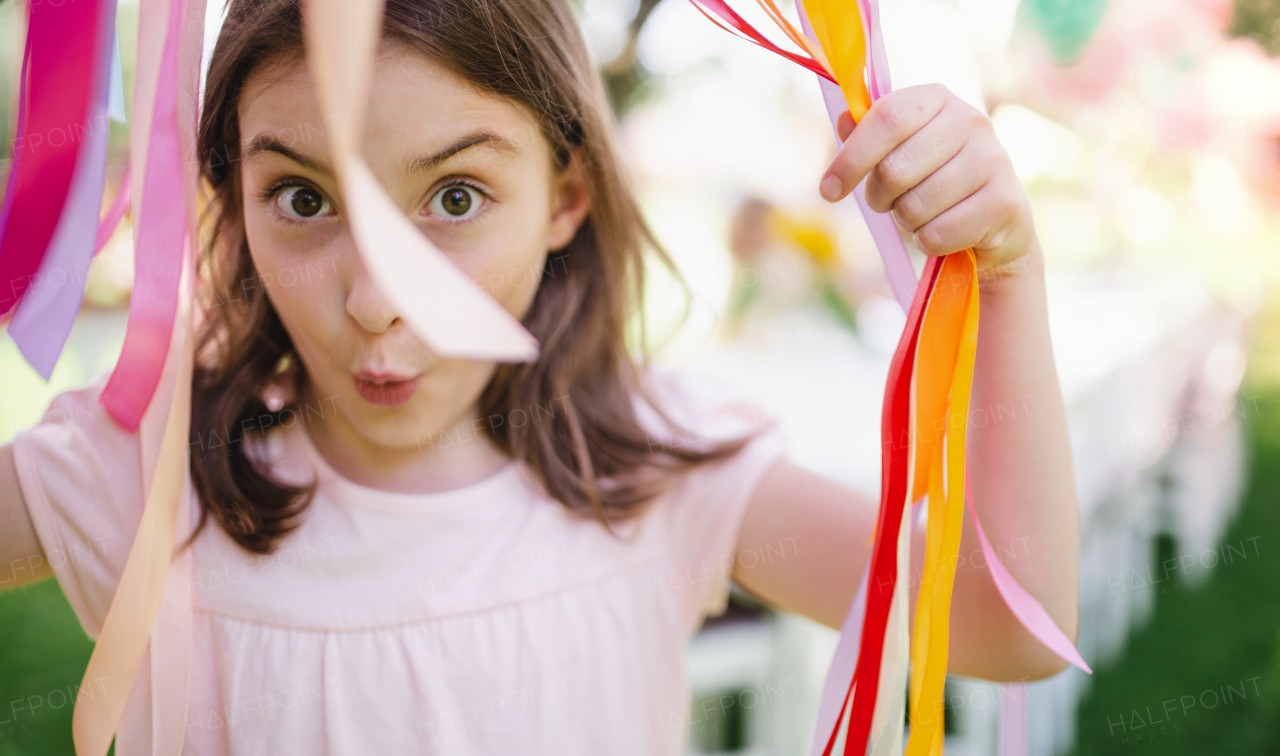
x,y
592,455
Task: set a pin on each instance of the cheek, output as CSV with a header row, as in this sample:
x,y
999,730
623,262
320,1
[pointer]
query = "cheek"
x,y
510,267
302,286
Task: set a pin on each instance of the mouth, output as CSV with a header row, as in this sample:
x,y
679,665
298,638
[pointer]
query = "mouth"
x,y
385,389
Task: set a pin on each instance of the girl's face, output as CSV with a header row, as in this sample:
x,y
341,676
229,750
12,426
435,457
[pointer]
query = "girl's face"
x,y
471,171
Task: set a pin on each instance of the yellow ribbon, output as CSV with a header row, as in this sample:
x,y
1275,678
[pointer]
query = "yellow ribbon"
x,y
838,26
944,377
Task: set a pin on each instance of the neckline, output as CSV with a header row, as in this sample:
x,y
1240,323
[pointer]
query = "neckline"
x,y
482,491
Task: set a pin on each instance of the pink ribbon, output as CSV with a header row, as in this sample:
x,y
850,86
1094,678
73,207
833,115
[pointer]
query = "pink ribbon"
x,y
1030,612
48,309
884,231
158,258
116,212
1014,732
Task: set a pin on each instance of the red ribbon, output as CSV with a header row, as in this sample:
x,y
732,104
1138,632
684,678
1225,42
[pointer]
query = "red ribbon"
x,y
735,23
894,425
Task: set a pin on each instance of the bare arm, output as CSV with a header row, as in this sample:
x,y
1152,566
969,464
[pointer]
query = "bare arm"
x,y
22,559
936,164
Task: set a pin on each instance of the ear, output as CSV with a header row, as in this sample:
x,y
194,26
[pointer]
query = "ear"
x,y
570,203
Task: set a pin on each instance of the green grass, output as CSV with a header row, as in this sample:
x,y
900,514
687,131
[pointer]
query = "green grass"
x,y
43,654
1218,641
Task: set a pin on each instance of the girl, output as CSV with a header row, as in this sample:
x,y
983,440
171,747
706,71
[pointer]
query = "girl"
x,y
401,553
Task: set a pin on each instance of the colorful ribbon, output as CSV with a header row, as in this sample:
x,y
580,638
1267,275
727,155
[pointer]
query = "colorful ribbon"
x,y
61,56
928,388
48,309
158,262
151,606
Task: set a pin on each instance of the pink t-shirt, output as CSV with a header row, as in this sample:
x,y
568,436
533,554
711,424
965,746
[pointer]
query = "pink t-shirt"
x,y
482,620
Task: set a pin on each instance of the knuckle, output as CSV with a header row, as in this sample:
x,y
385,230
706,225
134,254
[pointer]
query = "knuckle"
x,y
896,116
876,196
1010,203
890,173
928,240
909,210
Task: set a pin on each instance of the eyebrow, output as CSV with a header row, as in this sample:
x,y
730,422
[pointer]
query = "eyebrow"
x,y
270,143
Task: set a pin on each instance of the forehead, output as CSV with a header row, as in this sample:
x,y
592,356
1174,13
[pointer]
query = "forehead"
x,y
413,102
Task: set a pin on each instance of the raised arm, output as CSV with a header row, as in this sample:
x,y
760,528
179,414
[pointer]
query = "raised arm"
x,y
935,162
21,558
817,531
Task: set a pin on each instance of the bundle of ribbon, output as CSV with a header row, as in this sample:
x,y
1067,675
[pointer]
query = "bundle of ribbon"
x,y
49,226
928,389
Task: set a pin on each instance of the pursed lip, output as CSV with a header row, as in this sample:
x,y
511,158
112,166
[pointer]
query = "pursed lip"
x,y
383,376
386,388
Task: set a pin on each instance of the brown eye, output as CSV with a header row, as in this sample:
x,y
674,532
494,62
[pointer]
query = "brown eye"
x,y
297,201
458,202
307,202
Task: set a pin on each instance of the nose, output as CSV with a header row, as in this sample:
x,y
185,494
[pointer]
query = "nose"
x,y
366,302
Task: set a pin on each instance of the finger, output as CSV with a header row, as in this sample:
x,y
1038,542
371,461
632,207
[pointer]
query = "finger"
x,y
981,221
844,125
946,187
924,152
887,124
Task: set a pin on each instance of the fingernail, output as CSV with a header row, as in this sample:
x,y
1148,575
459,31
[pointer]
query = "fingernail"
x,y
831,188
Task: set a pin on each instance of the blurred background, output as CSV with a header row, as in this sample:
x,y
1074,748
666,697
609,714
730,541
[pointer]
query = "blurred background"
x,y
1147,134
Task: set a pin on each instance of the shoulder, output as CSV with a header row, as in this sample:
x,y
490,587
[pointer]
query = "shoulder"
x,y
703,406
77,437
81,478
700,514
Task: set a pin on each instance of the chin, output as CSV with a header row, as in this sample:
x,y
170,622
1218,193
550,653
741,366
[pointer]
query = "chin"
x,y
395,427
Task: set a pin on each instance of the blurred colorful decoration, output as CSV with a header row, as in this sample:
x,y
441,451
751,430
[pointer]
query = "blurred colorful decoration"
x,y
783,256
927,389
1066,25
1156,146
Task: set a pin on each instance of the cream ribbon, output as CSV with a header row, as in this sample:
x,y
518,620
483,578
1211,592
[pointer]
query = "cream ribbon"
x,y
440,303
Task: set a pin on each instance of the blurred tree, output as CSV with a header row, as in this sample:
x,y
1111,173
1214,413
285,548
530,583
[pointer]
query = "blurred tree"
x,y
624,76
1260,20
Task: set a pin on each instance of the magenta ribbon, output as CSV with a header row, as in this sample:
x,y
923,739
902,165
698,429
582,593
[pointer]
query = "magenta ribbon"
x,y
158,259
59,58
48,309
15,170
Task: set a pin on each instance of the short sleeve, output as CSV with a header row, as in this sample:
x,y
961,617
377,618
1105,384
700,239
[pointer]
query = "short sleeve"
x,y
701,513
81,478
